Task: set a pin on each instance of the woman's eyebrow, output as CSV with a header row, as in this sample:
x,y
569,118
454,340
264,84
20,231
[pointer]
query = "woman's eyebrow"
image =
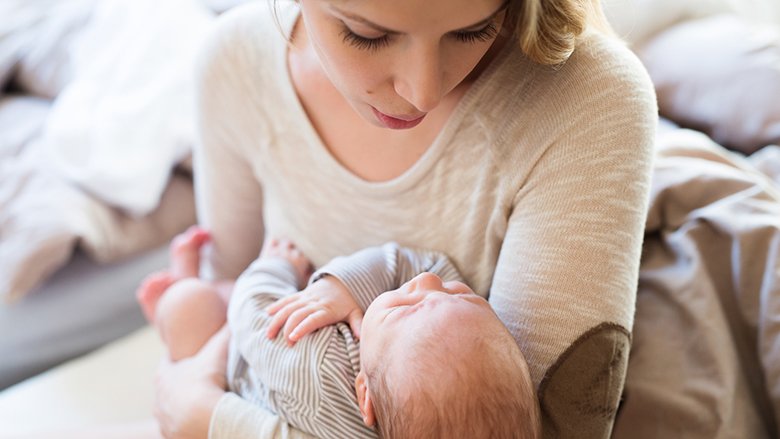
x,y
385,30
483,23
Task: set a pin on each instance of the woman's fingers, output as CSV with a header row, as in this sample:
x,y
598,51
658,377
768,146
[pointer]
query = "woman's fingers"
x,y
280,317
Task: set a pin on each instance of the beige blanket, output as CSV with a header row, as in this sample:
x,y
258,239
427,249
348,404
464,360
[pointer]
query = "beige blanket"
x,y
43,217
705,361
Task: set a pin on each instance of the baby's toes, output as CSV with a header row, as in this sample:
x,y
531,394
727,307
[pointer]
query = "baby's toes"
x,y
150,291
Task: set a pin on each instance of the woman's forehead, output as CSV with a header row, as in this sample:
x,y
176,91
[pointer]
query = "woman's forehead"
x,y
407,15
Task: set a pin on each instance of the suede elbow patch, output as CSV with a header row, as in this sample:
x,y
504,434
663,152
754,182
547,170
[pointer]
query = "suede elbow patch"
x,y
580,393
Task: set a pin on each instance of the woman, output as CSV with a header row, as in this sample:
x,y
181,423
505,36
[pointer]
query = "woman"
x,y
513,136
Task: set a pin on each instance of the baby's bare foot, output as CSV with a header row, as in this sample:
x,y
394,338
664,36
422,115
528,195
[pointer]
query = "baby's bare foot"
x,y
285,249
150,291
185,252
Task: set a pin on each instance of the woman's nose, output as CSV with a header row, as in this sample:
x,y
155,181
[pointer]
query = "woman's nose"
x,y
419,80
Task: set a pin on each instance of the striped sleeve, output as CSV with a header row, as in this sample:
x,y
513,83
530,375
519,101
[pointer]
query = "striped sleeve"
x,y
375,270
337,415
263,282
310,384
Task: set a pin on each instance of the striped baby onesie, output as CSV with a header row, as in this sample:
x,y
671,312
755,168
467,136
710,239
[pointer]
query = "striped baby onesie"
x,y
312,384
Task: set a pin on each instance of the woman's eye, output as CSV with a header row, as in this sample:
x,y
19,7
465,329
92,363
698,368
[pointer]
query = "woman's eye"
x,y
364,43
487,33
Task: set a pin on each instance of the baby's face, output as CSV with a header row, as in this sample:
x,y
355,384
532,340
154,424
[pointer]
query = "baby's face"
x,y
424,304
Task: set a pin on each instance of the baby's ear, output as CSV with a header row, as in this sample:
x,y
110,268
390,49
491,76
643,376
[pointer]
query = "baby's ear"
x,y
364,399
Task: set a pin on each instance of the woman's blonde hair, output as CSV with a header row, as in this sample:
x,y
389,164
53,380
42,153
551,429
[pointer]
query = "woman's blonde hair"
x,y
547,30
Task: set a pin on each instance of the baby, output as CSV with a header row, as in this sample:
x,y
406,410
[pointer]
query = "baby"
x,y
433,359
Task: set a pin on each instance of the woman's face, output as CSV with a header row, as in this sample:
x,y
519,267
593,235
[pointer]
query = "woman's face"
x,y
395,60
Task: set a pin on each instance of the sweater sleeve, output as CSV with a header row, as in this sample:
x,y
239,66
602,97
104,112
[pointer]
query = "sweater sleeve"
x,y
566,277
236,418
375,270
229,196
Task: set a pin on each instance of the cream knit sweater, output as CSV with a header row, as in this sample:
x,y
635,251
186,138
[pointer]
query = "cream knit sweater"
x,y
536,188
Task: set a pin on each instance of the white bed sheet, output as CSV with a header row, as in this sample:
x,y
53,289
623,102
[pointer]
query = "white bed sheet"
x,y
112,385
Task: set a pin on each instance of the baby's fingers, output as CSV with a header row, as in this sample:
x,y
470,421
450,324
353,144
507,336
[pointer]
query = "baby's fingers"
x,y
281,303
294,320
280,318
314,321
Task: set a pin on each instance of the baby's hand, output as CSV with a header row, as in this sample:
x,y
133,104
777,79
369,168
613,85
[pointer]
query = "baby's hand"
x,y
322,303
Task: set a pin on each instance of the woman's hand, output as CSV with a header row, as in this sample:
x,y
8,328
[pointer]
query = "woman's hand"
x,y
325,302
188,390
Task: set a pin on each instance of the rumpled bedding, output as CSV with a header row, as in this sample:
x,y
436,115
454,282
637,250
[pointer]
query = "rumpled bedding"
x,y
127,117
43,217
97,165
705,360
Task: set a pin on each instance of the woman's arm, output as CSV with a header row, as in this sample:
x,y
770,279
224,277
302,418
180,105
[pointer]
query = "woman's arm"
x,y
229,196
243,420
566,277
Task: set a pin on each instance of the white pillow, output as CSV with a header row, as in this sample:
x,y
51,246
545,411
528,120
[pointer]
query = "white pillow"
x,y
760,11
637,20
127,117
719,75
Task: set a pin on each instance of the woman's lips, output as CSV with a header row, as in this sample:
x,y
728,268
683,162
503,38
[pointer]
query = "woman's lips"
x,y
397,123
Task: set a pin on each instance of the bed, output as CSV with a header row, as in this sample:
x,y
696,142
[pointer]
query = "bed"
x,y
81,223
705,358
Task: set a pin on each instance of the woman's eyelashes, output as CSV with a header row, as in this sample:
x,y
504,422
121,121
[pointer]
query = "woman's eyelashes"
x,y
364,43
487,33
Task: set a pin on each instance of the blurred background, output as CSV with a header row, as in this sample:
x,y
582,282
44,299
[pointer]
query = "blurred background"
x,y
97,126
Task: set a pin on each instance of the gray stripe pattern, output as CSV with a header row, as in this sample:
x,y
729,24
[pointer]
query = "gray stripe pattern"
x,y
374,270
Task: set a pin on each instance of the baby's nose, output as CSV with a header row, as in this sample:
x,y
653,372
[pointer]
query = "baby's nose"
x,y
428,281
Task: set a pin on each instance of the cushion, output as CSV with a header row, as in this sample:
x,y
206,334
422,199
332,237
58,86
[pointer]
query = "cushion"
x,y
719,75
638,20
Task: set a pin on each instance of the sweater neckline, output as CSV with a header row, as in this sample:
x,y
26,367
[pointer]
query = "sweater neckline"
x,y
411,176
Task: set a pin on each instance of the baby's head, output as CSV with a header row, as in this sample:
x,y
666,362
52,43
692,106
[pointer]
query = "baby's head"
x,y
438,363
